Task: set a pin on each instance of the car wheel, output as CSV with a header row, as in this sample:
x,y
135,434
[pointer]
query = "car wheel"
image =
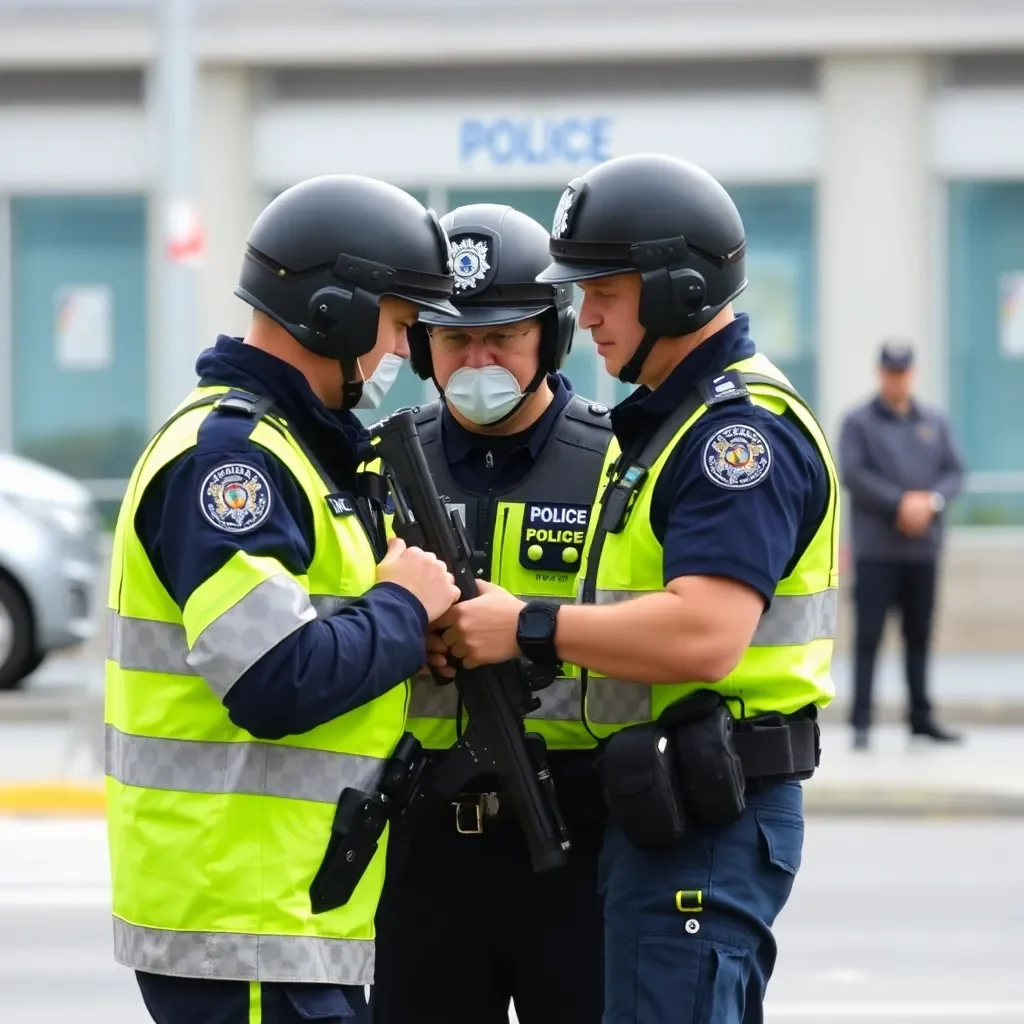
x,y
17,654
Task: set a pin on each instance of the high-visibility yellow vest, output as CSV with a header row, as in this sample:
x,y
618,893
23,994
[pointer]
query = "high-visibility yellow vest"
x,y
787,665
531,539
215,835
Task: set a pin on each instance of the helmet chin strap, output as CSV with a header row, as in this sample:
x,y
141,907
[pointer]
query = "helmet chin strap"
x,y
351,387
631,370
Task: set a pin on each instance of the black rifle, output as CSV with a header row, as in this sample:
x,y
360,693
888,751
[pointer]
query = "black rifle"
x,y
496,697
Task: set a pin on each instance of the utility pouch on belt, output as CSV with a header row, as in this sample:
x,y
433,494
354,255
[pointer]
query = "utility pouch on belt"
x,y
640,786
711,777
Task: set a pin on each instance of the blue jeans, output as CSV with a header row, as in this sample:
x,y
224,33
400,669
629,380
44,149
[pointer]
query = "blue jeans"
x,y
666,966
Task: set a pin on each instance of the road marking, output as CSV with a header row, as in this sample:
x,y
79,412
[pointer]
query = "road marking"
x,y
902,1009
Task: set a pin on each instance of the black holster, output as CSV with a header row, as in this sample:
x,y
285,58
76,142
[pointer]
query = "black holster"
x,y
711,778
359,822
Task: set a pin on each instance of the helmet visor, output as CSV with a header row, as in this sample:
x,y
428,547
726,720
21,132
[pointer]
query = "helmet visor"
x,y
482,316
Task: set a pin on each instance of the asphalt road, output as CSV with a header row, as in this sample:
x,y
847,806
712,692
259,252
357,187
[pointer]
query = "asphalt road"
x,y
891,921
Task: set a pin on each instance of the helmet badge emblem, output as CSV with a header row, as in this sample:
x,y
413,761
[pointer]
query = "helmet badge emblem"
x,y
469,262
561,221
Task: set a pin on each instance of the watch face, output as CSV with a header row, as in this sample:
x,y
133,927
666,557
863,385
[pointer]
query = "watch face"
x,y
537,624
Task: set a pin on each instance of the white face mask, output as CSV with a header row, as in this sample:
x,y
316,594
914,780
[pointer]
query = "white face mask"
x,y
380,381
485,394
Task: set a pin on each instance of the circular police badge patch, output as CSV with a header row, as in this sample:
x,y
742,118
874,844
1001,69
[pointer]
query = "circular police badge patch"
x,y
235,497
469,263
736,457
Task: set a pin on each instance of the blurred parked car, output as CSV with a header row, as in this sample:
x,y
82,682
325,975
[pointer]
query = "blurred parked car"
x,y
49,555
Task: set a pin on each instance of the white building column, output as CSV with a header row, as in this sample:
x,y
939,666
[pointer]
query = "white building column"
x,y
874,238
228,198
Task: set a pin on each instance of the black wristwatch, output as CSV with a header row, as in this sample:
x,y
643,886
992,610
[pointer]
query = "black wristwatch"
x,y
535,632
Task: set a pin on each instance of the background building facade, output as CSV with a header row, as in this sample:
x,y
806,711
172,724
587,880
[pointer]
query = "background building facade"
x,y
876,155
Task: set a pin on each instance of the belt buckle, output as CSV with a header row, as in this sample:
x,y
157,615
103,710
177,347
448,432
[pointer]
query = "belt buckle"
x,y
484,806
478,807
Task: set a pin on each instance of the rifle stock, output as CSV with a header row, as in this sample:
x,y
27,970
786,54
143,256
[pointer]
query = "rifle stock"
x,y
496,697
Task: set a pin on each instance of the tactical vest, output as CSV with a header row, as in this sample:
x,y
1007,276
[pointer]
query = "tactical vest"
x,y
787,665
215,835
528,539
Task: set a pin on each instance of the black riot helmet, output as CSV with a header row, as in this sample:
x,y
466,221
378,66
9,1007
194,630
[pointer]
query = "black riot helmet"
x,y
665,219
322,254
497,253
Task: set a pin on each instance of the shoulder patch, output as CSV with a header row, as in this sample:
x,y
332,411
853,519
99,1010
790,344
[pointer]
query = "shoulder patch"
x,y
726,387
235,497
736,457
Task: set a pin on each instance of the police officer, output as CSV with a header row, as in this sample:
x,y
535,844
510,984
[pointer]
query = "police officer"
x,y
518,454
707,597
260,635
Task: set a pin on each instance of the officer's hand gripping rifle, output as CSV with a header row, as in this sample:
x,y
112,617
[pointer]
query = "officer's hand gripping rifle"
x,y
496,697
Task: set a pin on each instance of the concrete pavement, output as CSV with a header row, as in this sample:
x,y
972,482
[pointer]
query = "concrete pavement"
x,y
889,921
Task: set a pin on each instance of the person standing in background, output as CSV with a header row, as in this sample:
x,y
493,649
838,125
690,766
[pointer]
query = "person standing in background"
x,y
898,461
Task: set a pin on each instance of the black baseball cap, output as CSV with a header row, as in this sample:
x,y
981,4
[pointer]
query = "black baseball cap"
x,y
896,355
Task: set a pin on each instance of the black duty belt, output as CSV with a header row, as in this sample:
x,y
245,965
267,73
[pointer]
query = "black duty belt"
x,y
773,748
577,781
776,747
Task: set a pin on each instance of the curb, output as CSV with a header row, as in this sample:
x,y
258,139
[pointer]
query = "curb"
x,y
54,799
907,802
993,711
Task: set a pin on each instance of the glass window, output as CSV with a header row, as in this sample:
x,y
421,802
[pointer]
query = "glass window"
x,y
781,297
79,331
986,346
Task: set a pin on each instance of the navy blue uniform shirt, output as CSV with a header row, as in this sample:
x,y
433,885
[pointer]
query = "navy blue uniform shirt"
x,y
754,533
486,463
330,665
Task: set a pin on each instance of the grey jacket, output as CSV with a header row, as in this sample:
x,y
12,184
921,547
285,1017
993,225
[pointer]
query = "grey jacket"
x,y
881,455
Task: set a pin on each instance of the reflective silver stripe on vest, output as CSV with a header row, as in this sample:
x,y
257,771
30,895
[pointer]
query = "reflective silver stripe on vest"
x,y
559,702
252,768
145,645
236,640
792,619
796,619
610,701
226,955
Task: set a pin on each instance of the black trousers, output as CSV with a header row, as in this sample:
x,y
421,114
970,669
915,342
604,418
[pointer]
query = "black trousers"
x,y
879,586
207,1001
466,925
